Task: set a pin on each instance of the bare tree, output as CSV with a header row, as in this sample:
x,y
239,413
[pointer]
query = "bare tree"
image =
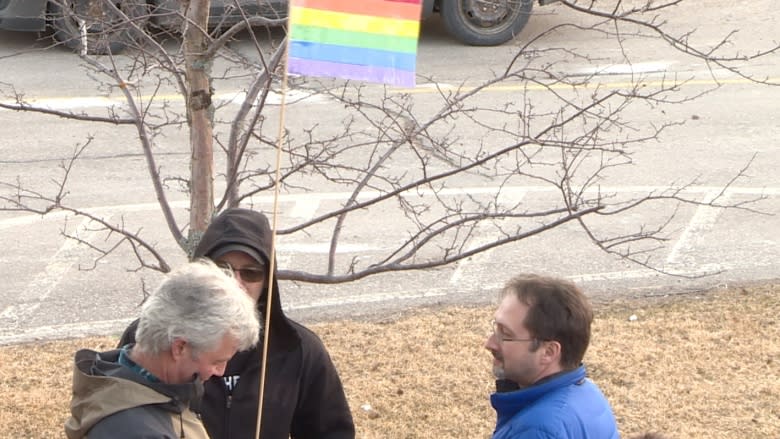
x,y
561,136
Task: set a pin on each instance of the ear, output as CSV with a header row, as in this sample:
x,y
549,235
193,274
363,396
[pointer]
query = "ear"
x,y
178,347
551,352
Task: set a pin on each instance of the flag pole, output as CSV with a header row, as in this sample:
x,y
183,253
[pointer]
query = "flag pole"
x,y
402,17
272,256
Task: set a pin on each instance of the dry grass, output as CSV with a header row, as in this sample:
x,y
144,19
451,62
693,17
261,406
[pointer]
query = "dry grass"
x,y
690,367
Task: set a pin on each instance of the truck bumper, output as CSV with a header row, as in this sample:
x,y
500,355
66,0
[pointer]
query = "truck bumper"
x,y
23,15
427,8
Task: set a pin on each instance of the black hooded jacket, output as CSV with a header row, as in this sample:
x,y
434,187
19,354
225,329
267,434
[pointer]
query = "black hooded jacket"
x,y
304,398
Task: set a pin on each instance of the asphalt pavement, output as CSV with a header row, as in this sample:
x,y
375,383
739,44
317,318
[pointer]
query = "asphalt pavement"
x,y
54,288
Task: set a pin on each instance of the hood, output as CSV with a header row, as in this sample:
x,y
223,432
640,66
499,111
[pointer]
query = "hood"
x,y
102,387
250,228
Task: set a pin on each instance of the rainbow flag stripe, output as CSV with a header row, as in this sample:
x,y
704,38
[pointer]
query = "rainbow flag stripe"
x,y
366,40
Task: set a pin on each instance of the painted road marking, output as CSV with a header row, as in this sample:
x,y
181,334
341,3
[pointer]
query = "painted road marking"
x,y
627,69
305,208
26,219
485,234
62,261
703,221
113,327
643,82
219,99
30,299
298,96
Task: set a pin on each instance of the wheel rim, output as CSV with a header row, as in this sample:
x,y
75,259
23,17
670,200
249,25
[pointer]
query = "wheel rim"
x,y
495,15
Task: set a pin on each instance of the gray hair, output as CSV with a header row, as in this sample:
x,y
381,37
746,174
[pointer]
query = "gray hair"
x,y
200,303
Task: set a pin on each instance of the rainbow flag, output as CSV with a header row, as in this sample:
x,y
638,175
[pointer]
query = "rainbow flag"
x,y
367,40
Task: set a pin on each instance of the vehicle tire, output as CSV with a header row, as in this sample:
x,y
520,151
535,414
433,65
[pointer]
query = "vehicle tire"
x,y
485,22
106,30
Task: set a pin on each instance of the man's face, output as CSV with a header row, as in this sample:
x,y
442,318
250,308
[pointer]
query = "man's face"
x,y
205,364
251,275
512,345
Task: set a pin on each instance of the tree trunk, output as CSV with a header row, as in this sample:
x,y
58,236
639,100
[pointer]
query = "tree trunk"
x,y
200,112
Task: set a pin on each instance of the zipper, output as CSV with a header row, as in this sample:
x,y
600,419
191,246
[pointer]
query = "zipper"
x,y
228,404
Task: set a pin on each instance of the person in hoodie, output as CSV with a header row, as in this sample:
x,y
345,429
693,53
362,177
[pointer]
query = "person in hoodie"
x,y
540,333
303,394
189,328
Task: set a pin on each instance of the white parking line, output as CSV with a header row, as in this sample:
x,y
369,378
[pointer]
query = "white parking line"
x,y
110,327
682,253
627,69
233,98
305,208
324,248
613,74
326,196
30,299
67,330
702,270
390,296
19,315
485,234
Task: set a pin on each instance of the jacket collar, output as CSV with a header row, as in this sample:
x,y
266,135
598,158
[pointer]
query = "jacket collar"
x,y
508,404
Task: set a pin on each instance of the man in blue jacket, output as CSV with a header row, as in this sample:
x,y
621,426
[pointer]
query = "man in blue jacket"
x,y
541,331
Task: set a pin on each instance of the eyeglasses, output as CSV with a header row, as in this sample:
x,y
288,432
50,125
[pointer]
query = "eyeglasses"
x,y
248,274
501,337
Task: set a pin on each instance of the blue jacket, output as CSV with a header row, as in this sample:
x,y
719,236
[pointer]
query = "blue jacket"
x,y
568,406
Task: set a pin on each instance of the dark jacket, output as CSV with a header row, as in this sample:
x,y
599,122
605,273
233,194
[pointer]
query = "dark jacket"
x,y
567,406
110,401
303,397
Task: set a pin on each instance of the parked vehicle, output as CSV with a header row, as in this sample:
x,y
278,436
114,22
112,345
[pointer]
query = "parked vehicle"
x,y
100,26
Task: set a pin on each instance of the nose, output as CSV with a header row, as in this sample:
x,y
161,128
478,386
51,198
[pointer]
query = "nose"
x,y
213,371
241,282
490,343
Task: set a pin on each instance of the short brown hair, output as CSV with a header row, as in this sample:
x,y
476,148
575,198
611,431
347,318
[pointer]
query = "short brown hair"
x,y
557,310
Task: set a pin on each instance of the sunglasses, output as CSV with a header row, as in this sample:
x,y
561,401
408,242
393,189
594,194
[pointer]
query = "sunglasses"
x,y
247,274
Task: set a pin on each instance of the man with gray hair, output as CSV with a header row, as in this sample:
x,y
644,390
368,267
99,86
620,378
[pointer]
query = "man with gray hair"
x,y
195,321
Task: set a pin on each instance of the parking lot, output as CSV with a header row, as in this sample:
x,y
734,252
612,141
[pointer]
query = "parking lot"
x,y
50,289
